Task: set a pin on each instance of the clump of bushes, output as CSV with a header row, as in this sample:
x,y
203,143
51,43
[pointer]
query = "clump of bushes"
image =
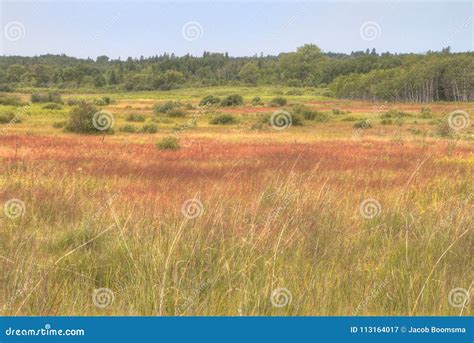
x,y
386,121
309,114
337,111
285,117
168,143
210,100
395,113
104,101
232,100
170,109
223,119
47,97
135,118
10,101
8,117
426,112
73,101
257,101
53,106
59,124
81,119
349,118
149,128
362,124
278,101
128,128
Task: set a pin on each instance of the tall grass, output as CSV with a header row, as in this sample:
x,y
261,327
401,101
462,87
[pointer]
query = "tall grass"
x,y
300,230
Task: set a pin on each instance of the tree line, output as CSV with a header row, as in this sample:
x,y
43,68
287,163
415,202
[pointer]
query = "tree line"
x,y
434,76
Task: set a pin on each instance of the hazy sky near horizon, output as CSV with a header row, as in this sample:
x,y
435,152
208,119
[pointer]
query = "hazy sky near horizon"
x,y
241,28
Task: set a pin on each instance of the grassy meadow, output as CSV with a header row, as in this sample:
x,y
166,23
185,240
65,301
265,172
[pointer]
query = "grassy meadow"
x,y
324,218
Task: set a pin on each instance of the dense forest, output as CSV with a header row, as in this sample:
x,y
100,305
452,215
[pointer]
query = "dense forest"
x,y
434,76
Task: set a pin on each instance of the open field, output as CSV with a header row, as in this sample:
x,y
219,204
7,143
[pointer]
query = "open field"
x,y
243,219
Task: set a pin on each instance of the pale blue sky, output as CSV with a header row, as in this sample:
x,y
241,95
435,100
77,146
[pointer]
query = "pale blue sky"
x,y
134,28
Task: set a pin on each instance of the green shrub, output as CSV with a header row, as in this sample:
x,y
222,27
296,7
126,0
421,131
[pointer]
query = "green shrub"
x,y
362,124
210,100
278,101
83,117
168,143
232,100
135,118
53,106
337,111
386,121
349,118
426,113
46,97
167,106
128,128
10,101
296,119
395,113
175,113
6,117
223,119
149,128
309,114
73,101
100,102
257,101
59,124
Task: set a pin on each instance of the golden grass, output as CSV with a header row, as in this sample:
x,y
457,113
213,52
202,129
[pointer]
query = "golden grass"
x,y
280,210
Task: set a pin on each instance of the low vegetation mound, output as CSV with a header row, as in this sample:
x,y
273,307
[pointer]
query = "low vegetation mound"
x,y
223,119
87,118
232,100
168,143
